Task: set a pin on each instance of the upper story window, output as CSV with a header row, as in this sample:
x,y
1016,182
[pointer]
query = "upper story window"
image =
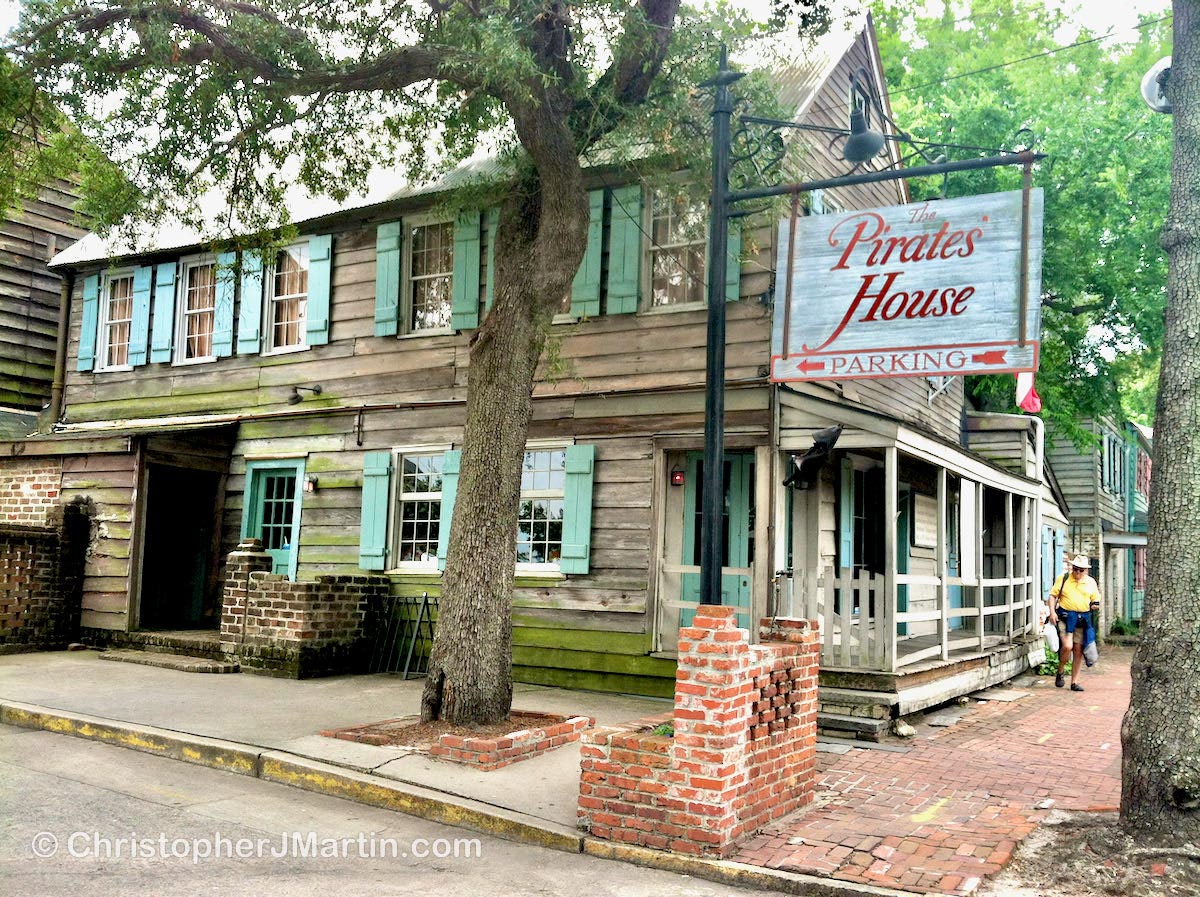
x,y
287,299
116,321
678,249
540,522
196,311
418,507
430,277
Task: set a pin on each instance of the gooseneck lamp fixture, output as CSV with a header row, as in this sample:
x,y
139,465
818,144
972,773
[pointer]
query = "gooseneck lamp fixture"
x,y
296,398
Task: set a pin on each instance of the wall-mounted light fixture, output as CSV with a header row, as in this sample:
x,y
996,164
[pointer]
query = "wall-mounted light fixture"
x,y
295,398
310,484
677,477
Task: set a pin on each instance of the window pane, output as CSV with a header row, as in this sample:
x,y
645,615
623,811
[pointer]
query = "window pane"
x,y
420,506
679,233
289,299
431,276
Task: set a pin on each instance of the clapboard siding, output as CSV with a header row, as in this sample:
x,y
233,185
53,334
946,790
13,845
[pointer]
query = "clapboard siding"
x,y
29,292
110,483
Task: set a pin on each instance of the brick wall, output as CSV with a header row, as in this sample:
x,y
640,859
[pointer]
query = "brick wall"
x,y
41,578
743,751
294,629
29,490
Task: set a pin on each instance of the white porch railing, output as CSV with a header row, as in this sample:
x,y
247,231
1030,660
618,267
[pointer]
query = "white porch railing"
x,y
862,629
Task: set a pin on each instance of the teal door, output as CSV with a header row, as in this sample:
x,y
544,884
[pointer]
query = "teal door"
x,y
737,523
903,547
272,510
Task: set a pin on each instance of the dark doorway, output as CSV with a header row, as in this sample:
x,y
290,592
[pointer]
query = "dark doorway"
x,y
178,559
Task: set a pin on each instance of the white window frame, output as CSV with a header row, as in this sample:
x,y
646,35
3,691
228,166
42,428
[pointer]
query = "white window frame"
x,y
397,498
103,322
542,445
268,312
185,265
408,244
650,248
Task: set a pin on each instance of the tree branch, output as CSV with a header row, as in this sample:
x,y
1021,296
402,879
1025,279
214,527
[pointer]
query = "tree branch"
x,y
637,60
392,70
1062,305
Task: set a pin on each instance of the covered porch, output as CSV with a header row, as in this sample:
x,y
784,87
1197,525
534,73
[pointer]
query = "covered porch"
x,y
920,560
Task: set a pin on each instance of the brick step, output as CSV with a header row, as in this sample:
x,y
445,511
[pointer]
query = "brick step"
x,y
181,662
858,726
197,643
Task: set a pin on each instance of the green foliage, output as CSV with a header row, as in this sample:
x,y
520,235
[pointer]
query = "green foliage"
x,y
664,729
1121,626
1106,180
1049,667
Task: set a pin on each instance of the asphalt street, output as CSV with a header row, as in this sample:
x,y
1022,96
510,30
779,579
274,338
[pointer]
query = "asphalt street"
x,y
80,818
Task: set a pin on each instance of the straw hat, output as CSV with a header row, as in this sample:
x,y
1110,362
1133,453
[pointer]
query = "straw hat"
x,y
1081,562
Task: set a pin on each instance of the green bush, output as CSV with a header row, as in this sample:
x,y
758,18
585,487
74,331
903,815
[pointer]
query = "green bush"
x,y
667,729
1125,627
1049,667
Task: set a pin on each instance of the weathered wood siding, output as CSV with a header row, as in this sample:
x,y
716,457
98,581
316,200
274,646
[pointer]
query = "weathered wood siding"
x,y
109,481
29,292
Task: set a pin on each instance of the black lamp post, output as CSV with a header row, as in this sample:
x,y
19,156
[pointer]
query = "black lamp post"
x,y
861,145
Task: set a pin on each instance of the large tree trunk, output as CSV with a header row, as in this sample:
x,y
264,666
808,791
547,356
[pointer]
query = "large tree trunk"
x,y
542,236
1160,737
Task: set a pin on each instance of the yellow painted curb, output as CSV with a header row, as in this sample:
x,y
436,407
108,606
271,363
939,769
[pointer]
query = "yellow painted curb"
x,y
211,752
325,778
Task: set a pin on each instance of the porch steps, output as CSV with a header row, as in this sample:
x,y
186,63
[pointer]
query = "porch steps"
x,y
193,643
181,662
862,727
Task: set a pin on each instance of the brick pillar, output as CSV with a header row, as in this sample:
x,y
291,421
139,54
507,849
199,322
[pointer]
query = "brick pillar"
x,y
246,559
713,698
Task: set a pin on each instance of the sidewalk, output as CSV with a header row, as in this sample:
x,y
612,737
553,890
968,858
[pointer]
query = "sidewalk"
x,y
933,814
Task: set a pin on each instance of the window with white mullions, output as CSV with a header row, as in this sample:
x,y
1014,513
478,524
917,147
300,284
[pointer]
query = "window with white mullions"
x,y
678,249
288,299
277,506
419,507
540,526
197,310
431,276
116,320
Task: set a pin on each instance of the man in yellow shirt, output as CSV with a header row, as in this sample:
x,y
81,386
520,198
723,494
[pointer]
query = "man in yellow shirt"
x,y
1071,602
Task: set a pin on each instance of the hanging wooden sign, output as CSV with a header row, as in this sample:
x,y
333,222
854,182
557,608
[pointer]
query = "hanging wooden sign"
x,y
928,289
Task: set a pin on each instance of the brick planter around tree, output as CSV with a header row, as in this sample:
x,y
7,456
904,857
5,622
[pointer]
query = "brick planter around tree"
x,y
743,751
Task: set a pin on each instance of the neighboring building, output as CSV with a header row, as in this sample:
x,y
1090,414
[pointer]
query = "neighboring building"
x,y
192,421
1107,489
29,302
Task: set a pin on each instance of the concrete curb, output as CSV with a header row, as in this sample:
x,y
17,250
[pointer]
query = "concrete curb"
x,y
741,875
337,781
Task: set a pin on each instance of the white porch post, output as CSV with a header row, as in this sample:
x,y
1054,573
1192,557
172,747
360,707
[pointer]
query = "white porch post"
x,y
1010,566
943,592
977,548
890,591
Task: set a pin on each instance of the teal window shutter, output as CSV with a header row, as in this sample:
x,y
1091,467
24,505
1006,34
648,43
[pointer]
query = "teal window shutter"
x,y
249,337
320,273
139,328
372,545
733,264
387,278
450,468
625,250
585,291
223,312
464,308
162,336
489,290
87,328
846,517
577,509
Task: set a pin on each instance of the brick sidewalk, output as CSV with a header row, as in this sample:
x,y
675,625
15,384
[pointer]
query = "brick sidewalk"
x,y
952,809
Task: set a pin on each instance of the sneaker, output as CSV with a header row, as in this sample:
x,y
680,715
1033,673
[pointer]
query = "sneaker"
x,y
1059,681
1075,686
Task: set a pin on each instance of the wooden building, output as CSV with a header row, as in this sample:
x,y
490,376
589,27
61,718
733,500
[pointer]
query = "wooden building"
x,y
318,404
30,236
1107,488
